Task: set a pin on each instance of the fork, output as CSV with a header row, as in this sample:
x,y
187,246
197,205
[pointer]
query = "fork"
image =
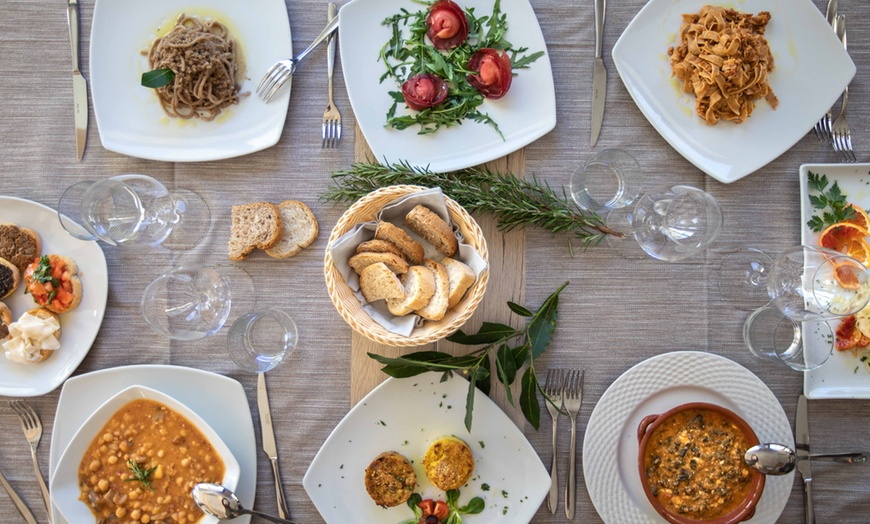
x,y
572,386
331,117
279,73
32,432
823,126
842,138
553,391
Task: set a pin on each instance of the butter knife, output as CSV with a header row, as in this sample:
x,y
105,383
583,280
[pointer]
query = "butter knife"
x,y
802,449
269,445
599,74
80,87
22,507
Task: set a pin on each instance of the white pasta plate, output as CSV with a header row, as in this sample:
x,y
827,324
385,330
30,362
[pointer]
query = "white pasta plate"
x,y
526,113
65,490
811,70
129,116
80,326
406,416
844,375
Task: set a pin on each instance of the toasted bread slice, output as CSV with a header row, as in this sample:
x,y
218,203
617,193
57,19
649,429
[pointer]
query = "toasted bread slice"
x,y
437,306
10,277
5,320
419,284
257,225
19,245
60,289
396,263
379,246
300,229
461,278
377,281
411,250
433,228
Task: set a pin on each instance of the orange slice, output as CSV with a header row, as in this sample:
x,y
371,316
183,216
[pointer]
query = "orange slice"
x,y
847,238
860,219
846,276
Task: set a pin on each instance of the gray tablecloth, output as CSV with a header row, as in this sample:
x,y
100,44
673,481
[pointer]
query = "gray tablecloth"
x,y
615,313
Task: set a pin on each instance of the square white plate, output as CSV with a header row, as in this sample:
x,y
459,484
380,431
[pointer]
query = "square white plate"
x,y
129,116
812,69
843,375
525,114
406,416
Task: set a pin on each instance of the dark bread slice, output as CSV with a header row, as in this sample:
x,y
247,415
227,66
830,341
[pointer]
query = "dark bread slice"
x,y
19,245
433,228
411,250
254,226
10,277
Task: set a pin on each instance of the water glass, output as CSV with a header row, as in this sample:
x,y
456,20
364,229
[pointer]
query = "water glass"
x,y
771,335
187,303
609,180
260,340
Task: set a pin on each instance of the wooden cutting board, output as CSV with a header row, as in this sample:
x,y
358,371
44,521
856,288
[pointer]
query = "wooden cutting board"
x,y
507,282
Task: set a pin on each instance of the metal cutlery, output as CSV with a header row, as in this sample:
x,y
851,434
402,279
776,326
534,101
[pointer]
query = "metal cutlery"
x,y
80,87
22,507
572,386
32,427
554,392
802,448
841,136
281,72
599,74
269,446
823,126
331,117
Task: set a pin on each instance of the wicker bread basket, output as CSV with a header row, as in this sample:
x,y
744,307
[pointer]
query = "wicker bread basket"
x,y
349,307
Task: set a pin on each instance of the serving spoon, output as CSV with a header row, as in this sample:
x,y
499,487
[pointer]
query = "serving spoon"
x,y
777,459
220,502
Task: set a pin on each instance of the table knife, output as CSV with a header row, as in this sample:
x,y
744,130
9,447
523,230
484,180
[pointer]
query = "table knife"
x,y
802,449
269,446
599,74
22,507
80,87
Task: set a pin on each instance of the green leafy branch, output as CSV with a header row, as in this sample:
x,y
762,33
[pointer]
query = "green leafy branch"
x,y
831,202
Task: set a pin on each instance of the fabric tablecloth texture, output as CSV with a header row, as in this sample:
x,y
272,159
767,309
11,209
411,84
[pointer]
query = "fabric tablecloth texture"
x,y
615,313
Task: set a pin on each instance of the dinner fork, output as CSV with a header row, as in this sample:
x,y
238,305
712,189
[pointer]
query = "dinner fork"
x,y
572,385
32,432
283,69
553,390
823,126
842,138
331,117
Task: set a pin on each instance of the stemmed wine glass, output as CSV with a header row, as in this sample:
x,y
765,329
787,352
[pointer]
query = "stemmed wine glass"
x,y
134,209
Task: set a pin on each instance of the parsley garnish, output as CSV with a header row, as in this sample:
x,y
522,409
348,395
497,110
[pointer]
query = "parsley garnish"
x,y
140,473
831,202
42,274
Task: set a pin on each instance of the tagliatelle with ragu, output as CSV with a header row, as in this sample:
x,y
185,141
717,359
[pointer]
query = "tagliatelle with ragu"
x,y
724,60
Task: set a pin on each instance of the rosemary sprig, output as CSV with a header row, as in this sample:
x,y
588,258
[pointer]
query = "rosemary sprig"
x,y
515,202
831,202
475,366
140,473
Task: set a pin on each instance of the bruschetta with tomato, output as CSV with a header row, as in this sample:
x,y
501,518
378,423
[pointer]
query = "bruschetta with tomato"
x,y
53,282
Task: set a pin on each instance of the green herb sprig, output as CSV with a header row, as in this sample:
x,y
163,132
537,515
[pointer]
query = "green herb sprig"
x,y
509,359
157,78
515,202
140,473
830,201
42,274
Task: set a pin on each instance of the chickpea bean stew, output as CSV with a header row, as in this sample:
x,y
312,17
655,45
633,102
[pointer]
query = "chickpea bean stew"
x,y
143,464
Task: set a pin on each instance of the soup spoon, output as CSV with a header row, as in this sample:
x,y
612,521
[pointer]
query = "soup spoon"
x,y
777,459
222,503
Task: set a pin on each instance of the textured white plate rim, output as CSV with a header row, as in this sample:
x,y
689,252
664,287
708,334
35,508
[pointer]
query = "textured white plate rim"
x,y
64,486
797,29
526,491
525,114
83,394
79,327
129,118
675,378
838,377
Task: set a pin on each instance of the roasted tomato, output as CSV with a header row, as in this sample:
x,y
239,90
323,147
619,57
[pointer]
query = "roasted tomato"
x,y
434,511
424,90
493,78
447,25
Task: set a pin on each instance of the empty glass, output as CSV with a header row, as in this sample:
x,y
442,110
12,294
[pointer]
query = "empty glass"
x,y
260,340
610,180
771,335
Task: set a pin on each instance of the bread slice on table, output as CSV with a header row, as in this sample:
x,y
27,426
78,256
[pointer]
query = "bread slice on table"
x,y
411,250
19,245
433,228
10,277
5,320
419,284
437,306
377,281
460,277
379,246
254,226
300,229
396,263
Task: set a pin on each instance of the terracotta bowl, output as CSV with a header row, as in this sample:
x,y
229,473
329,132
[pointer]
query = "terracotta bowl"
x,y
744,510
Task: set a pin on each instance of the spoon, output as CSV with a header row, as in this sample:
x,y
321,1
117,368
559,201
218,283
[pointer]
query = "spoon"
x,y
777,459
220,502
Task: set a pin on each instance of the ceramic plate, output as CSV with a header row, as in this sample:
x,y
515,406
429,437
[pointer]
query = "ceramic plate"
x,y
525,114
129,116
81,396
406,416
79,327
804,47
844,375
655,386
